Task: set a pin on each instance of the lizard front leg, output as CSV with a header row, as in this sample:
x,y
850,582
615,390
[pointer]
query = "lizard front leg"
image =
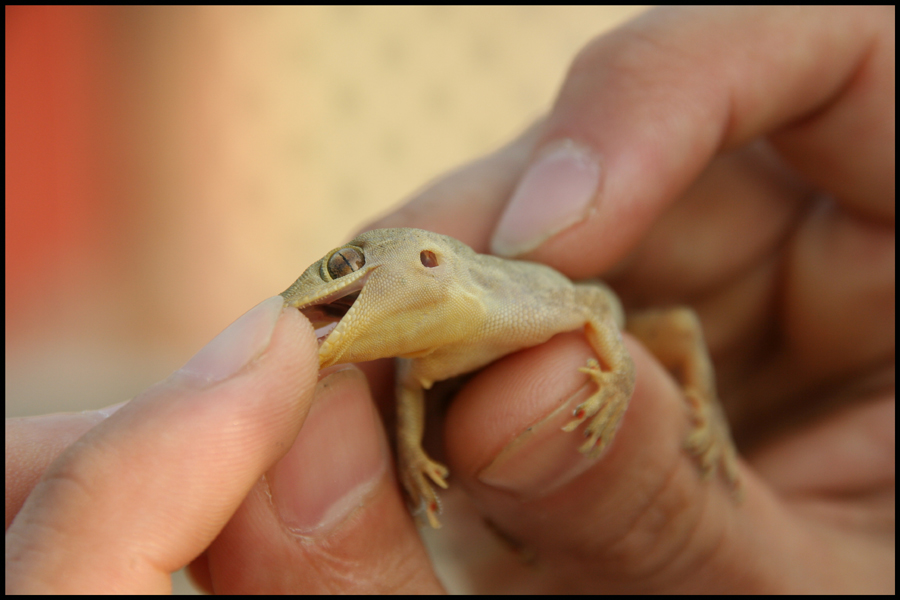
x,y
615,383
413,463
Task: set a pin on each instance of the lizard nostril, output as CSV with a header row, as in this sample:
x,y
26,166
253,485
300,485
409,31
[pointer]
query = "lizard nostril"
x,y
428,259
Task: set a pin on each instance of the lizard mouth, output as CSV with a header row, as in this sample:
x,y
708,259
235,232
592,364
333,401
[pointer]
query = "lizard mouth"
x,y
326,313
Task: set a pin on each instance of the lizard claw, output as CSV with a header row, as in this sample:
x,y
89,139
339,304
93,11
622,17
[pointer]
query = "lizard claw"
x,y
606,406
430,510
436,472
414,474
709,439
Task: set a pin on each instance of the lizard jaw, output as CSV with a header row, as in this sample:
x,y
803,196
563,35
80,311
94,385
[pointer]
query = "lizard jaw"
x,y
325,313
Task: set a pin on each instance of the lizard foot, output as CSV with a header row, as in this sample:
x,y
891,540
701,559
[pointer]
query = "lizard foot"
x,y
709,440
415,471
606,406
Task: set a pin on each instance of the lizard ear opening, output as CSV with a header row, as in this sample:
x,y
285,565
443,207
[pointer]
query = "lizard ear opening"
x,y
428,259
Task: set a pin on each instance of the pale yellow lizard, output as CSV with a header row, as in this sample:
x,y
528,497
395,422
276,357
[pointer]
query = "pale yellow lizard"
x,y
442,309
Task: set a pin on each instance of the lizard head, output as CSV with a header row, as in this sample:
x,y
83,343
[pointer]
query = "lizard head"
x,y
389,292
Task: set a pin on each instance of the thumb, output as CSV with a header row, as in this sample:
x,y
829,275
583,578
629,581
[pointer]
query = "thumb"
x,y
145,491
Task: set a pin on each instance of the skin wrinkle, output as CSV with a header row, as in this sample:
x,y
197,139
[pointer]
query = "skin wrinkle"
x,y
329,566
409,575
324,557
64,480
28,553
607,549
705,560
637,556
835,99
589,557
348,571
666,567
733,122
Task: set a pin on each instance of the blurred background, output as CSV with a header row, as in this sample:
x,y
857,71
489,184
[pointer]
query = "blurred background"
x,y
169,168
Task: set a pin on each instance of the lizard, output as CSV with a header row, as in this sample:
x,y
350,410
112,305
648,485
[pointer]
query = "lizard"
x,y
443,310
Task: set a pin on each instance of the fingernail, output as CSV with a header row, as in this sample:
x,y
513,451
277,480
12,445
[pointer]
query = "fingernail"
x,y
336,461
542,458
237,345
556,192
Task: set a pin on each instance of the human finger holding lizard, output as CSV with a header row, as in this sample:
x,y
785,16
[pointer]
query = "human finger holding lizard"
x,y
241,463
740,161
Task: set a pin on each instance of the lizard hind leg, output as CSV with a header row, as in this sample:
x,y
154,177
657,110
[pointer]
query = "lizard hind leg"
x,y
675,337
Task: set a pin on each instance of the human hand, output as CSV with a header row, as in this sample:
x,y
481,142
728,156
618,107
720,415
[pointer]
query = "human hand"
x,y
203,468
740,160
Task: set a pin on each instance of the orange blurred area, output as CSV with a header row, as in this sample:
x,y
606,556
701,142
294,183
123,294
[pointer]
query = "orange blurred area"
x,y
55,88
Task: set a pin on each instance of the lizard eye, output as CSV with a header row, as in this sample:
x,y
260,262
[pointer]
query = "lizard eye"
x,y
428,259
345,261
